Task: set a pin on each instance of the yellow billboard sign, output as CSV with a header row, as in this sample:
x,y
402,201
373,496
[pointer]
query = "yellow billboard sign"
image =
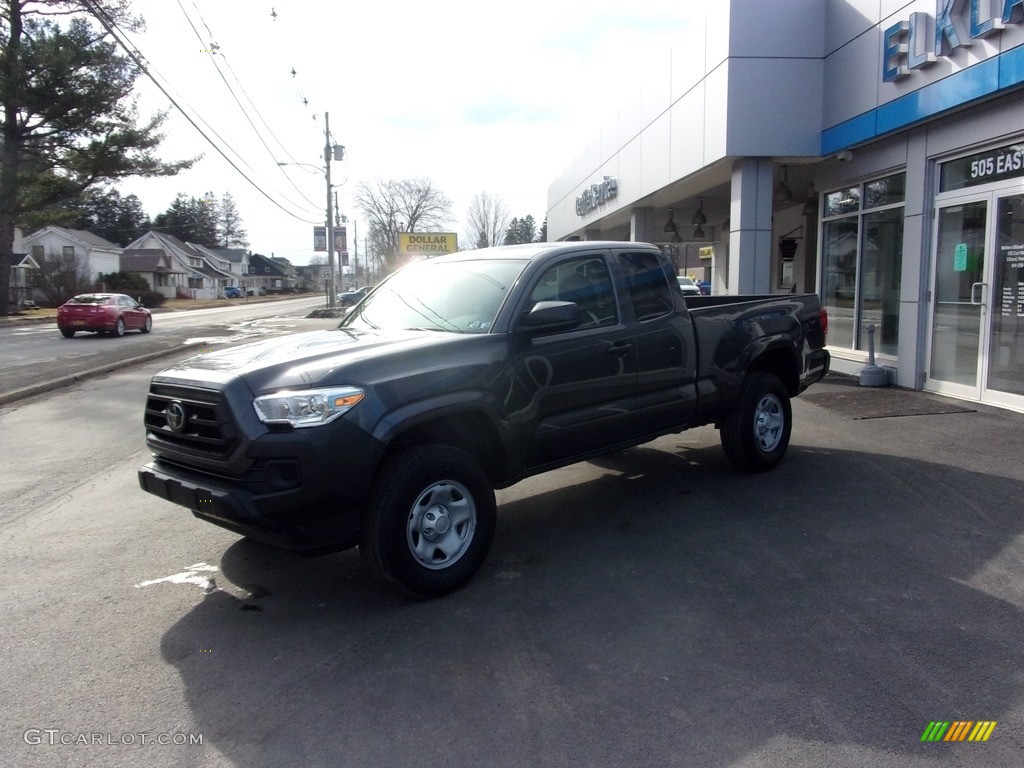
x,y
427,243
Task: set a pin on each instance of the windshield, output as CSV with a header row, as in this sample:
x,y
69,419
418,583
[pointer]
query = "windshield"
x,y
454,296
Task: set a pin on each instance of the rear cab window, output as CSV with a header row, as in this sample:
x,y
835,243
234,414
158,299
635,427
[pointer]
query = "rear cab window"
x,y
647,284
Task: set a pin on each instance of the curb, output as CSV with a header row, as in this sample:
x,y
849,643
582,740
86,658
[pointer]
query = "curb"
x,y
75,378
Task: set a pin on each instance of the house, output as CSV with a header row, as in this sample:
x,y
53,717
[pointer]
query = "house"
x,y
310,277
270,274
73,250
156,267
233,260
203,278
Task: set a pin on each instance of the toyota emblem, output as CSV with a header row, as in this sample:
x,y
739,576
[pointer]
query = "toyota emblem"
x,y
175,415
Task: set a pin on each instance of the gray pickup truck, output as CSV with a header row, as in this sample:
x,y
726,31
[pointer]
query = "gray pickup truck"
x,y
462,374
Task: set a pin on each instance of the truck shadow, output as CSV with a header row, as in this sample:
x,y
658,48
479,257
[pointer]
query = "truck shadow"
x,y
662,610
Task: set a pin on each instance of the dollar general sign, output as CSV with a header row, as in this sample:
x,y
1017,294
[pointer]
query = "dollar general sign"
x,y
427,243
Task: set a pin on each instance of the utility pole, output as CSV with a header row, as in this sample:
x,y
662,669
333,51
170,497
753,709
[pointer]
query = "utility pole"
x,y
331,292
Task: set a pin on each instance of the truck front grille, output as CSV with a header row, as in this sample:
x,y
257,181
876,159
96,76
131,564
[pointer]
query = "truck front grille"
x,y
191,418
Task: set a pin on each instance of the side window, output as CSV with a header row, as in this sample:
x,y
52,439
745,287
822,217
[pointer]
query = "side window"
x,y
647,283
583,281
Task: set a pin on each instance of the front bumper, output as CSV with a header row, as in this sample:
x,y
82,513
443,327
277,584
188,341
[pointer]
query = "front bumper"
x,y
298,519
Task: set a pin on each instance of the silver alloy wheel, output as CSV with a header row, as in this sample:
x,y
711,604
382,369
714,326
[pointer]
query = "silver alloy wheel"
x,y
769,420
441,524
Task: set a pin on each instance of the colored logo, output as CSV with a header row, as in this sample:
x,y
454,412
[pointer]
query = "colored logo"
x,y
958,730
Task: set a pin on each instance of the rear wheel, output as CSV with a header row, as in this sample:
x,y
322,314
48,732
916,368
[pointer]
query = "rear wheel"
x,y
119,327
755,435
430,521
67,333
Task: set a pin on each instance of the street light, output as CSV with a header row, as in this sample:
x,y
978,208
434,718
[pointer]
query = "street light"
x,y
336,152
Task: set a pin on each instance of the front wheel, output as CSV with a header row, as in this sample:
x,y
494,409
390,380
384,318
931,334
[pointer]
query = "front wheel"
x,y
755,435
430,521
147,326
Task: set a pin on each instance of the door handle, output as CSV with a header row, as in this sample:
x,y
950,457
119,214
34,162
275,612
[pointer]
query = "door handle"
x,y
973,286
619,348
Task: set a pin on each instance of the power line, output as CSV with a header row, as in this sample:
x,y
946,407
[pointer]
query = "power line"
x,y
213,58
136,56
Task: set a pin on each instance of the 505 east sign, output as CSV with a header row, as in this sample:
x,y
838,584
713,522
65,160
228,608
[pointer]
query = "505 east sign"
x,y
917,42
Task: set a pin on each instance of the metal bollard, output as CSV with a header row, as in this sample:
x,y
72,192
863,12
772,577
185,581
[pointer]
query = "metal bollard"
x,y
872,375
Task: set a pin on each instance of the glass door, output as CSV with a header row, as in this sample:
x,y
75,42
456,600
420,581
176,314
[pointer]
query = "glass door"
x,y
1004,375
959,295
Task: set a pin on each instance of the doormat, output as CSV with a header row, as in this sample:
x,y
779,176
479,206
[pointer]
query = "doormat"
x,y
856,402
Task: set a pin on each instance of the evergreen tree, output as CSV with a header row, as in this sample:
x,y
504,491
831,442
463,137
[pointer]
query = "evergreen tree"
x,y
522,230
68,120
229,224
191,220
105,213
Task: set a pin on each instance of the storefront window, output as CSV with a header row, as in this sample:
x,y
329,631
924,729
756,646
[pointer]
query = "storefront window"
x,y
881,266
862,259
891,189
839,277
843,201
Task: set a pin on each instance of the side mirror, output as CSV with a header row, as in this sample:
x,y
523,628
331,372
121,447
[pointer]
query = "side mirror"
x,y
551,317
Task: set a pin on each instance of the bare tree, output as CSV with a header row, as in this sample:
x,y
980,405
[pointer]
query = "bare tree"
x,y
402,205
487,220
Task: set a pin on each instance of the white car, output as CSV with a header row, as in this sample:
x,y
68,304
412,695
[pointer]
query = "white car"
x,y
688,287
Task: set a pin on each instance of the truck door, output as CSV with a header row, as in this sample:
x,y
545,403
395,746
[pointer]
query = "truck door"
x,y
664,338
575,385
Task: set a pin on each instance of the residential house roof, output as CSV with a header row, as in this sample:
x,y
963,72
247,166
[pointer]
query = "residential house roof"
x,y
83,236
148,260
259,261
182,252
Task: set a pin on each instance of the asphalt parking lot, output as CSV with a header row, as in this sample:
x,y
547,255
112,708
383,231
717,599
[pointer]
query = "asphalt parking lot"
x,y
656,608
653,607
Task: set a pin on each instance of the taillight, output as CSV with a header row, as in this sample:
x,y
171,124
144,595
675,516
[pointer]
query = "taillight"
x,y
823,319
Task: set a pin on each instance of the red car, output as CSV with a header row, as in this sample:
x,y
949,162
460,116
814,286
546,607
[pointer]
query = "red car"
x,y
103,313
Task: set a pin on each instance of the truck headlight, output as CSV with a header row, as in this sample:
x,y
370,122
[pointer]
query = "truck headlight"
x,y
308,407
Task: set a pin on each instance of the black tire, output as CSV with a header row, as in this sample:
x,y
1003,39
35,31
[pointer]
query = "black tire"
x,y
418,490
119,327
755,435
147,326
67,333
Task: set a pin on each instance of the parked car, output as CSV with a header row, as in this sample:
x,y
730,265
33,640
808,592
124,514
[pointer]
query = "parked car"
x,y
112,313
705,287
352,297
233,292
688,287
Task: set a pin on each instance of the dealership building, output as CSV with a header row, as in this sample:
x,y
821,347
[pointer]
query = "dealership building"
x,y
871,151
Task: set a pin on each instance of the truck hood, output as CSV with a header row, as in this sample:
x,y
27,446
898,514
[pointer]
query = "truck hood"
x,y
302,359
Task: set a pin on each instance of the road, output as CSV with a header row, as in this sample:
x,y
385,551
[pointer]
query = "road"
x,y
34,353
651,608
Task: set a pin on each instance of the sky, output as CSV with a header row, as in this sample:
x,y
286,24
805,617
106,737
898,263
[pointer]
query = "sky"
x,y
481,98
